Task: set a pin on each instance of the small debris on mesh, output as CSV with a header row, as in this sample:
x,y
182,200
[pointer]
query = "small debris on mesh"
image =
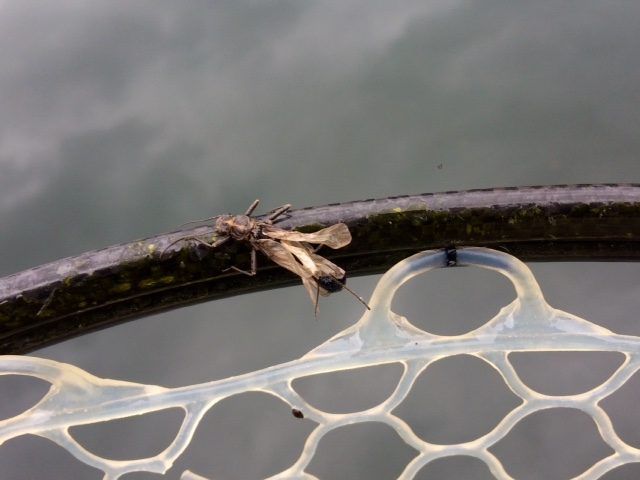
x,y
297,413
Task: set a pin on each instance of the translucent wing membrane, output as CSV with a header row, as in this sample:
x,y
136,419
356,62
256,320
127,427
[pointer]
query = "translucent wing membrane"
x,y
379,337
335,236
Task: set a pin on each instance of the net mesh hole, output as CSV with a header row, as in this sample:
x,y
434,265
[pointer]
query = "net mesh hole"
x,y
565,373
257,424
531,450
618,404
352,390
140,436
19,393
439,302
456,399
352,451
457,466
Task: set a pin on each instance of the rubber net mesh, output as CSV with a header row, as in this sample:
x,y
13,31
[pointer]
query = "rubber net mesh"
x,y
379,337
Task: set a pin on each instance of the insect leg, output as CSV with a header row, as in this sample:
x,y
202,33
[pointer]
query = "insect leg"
x,y
277,212
254,265
252,207
198,221
239,270
220,241
254,260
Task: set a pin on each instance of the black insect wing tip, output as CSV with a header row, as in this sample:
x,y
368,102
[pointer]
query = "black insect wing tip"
x,y
332,284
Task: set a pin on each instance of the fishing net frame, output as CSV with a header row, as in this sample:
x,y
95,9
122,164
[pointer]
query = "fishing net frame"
x,y
380,337
98,289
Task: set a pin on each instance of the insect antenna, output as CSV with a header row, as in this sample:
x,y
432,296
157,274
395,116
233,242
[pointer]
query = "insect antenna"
x,y
198,221
343,284
249,211
333,284
360,299
217,243
164,250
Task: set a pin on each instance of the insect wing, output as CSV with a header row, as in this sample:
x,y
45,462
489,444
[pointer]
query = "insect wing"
x,y
312,286
316,265
335,236
302,252
326,267
280,255
330,277
283,257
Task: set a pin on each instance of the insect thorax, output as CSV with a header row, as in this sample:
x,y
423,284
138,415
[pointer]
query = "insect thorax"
x,y
238,227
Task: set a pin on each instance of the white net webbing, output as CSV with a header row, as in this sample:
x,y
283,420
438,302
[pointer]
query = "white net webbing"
x,y
379,337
